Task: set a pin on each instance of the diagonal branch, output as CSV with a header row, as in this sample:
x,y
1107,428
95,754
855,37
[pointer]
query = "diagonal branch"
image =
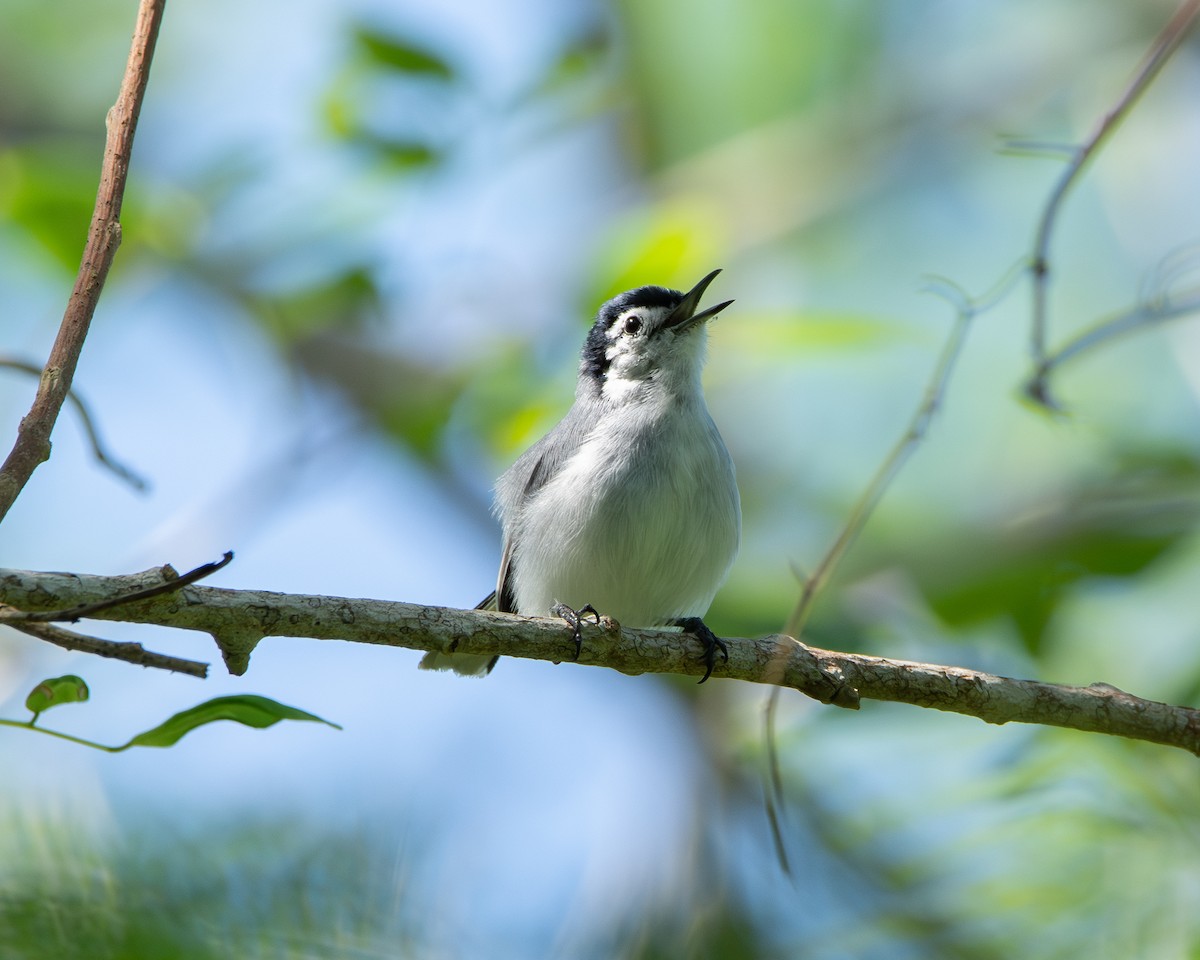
x,y
239,619
966,309
32,445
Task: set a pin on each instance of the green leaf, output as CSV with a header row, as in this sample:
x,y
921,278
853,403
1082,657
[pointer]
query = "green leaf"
x,y
399,54
782,336
411,401
401,153
673,244
1106,528
52,692
407,156
582,57
50,196
346,119
248,709
347,302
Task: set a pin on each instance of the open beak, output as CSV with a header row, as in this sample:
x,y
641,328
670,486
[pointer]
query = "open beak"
x,y
685,315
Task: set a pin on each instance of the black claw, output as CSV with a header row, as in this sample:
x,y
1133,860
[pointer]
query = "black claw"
x,y
712,643
575,618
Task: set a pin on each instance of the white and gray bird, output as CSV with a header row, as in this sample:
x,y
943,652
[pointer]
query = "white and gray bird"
x,y
629,505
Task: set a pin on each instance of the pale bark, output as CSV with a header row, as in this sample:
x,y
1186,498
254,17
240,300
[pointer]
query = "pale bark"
x,y
238,619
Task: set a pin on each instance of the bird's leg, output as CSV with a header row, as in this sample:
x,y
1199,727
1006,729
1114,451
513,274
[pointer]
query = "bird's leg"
x,y
712,643
575,618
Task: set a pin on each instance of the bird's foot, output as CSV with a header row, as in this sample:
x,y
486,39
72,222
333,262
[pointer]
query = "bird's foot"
x,y
575,618
712,643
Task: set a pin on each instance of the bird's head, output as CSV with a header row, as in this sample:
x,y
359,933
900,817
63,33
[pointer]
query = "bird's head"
x,y
647,334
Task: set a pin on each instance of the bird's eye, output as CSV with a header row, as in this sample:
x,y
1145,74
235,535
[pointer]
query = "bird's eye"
x,y
633,325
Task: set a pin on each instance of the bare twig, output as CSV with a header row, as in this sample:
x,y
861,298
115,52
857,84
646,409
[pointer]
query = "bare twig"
x,y
32,445
99,451
1160,52
859,515
966,310
238,619
170,583
1143,315
773,789
129,652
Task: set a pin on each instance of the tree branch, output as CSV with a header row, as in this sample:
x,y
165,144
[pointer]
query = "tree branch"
x,y
171,581
32,445
238,619
126,651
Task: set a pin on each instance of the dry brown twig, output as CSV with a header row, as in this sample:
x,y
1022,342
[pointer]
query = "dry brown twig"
x,y
32,446
125,651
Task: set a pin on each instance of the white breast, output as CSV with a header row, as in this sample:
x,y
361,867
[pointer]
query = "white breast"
x,y
643,521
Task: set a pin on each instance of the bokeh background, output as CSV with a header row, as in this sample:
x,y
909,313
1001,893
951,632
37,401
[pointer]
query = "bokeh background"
x,y
363,242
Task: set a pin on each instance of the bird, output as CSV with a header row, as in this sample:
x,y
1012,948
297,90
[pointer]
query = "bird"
x,y
630,504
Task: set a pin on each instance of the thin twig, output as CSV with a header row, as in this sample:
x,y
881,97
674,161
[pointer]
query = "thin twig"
x,y
1143,315
28,725
773,790
32,446
129,652
170,584
1160,52
891,466
966,309
1021,147
99,451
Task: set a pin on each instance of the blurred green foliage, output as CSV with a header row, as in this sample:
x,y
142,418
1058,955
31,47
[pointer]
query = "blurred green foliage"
x,y
359,109
245,890
393,52
1110,527
49,192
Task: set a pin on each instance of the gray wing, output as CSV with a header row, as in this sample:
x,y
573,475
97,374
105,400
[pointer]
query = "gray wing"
x,y
532,471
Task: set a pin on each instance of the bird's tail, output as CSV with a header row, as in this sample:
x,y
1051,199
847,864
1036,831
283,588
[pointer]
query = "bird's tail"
x,y
464,664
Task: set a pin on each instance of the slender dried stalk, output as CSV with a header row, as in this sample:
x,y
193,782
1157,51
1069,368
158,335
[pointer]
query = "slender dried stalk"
x,y
32,446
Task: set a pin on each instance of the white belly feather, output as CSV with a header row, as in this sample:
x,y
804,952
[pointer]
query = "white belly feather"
x,y
645,537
